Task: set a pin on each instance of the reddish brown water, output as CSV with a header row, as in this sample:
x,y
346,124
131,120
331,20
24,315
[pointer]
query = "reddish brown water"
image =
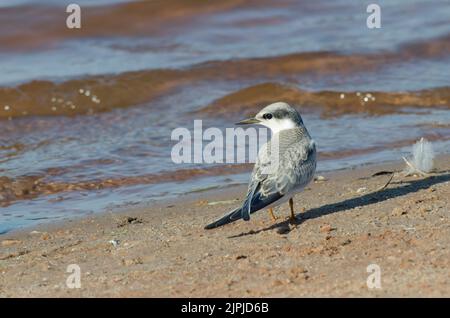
x,y
86,115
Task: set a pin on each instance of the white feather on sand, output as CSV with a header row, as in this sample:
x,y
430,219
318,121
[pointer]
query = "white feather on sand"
x,y
421,161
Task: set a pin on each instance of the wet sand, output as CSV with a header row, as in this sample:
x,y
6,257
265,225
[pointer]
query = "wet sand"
x,y
343,225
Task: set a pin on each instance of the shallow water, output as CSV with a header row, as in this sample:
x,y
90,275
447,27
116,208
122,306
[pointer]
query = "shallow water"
x,y
86,115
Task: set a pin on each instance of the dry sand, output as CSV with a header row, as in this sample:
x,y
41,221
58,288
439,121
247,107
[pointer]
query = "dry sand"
x,y
343,226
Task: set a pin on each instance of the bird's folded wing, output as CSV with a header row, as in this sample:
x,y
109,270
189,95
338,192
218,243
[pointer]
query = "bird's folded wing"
x,y
295,168
256,200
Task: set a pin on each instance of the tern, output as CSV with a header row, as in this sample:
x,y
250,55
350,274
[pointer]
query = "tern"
x,y
284,166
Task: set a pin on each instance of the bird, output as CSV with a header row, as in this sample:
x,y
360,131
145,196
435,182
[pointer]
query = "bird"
x,y
283,167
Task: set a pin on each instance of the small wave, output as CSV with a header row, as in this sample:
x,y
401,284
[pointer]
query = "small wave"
x,y
29,187
134,18
251,99
84,96
104,93
339,154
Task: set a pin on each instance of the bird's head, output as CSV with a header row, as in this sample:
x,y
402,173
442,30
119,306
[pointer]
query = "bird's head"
x,y
277,116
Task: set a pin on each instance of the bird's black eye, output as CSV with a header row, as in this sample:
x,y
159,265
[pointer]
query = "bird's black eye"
x,y
267,116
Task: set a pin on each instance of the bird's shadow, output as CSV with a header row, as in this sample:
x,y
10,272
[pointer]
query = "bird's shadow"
x,y
405,187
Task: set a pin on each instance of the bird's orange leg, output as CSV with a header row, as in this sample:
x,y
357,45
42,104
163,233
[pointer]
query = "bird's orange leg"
x,y
291,205
274,218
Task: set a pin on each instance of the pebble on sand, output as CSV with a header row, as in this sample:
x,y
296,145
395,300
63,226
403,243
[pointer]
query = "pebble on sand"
x,y
114,243
10,242
398,211
284,229
361,190
326,228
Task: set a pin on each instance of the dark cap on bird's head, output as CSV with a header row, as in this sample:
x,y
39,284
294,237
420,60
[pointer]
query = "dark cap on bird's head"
x,y
277,116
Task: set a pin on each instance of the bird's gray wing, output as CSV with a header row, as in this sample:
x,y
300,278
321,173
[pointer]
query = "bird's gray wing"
x,y
295,168
231,216
254,199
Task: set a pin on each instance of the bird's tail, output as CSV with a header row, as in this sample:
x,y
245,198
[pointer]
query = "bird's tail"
x,y
231,216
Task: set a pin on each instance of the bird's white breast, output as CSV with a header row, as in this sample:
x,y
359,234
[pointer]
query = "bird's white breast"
x,y
277,125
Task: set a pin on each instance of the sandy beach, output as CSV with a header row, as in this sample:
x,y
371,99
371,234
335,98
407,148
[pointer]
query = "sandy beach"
x,y
118,145
343,225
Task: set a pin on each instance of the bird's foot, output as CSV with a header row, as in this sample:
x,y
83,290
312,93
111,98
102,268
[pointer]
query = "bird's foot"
x,y
292,219
274,218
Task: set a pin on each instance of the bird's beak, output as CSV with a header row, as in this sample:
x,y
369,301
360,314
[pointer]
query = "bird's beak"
x,y
248,121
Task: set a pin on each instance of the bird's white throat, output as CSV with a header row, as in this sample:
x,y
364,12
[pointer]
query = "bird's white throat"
x,y
277,125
